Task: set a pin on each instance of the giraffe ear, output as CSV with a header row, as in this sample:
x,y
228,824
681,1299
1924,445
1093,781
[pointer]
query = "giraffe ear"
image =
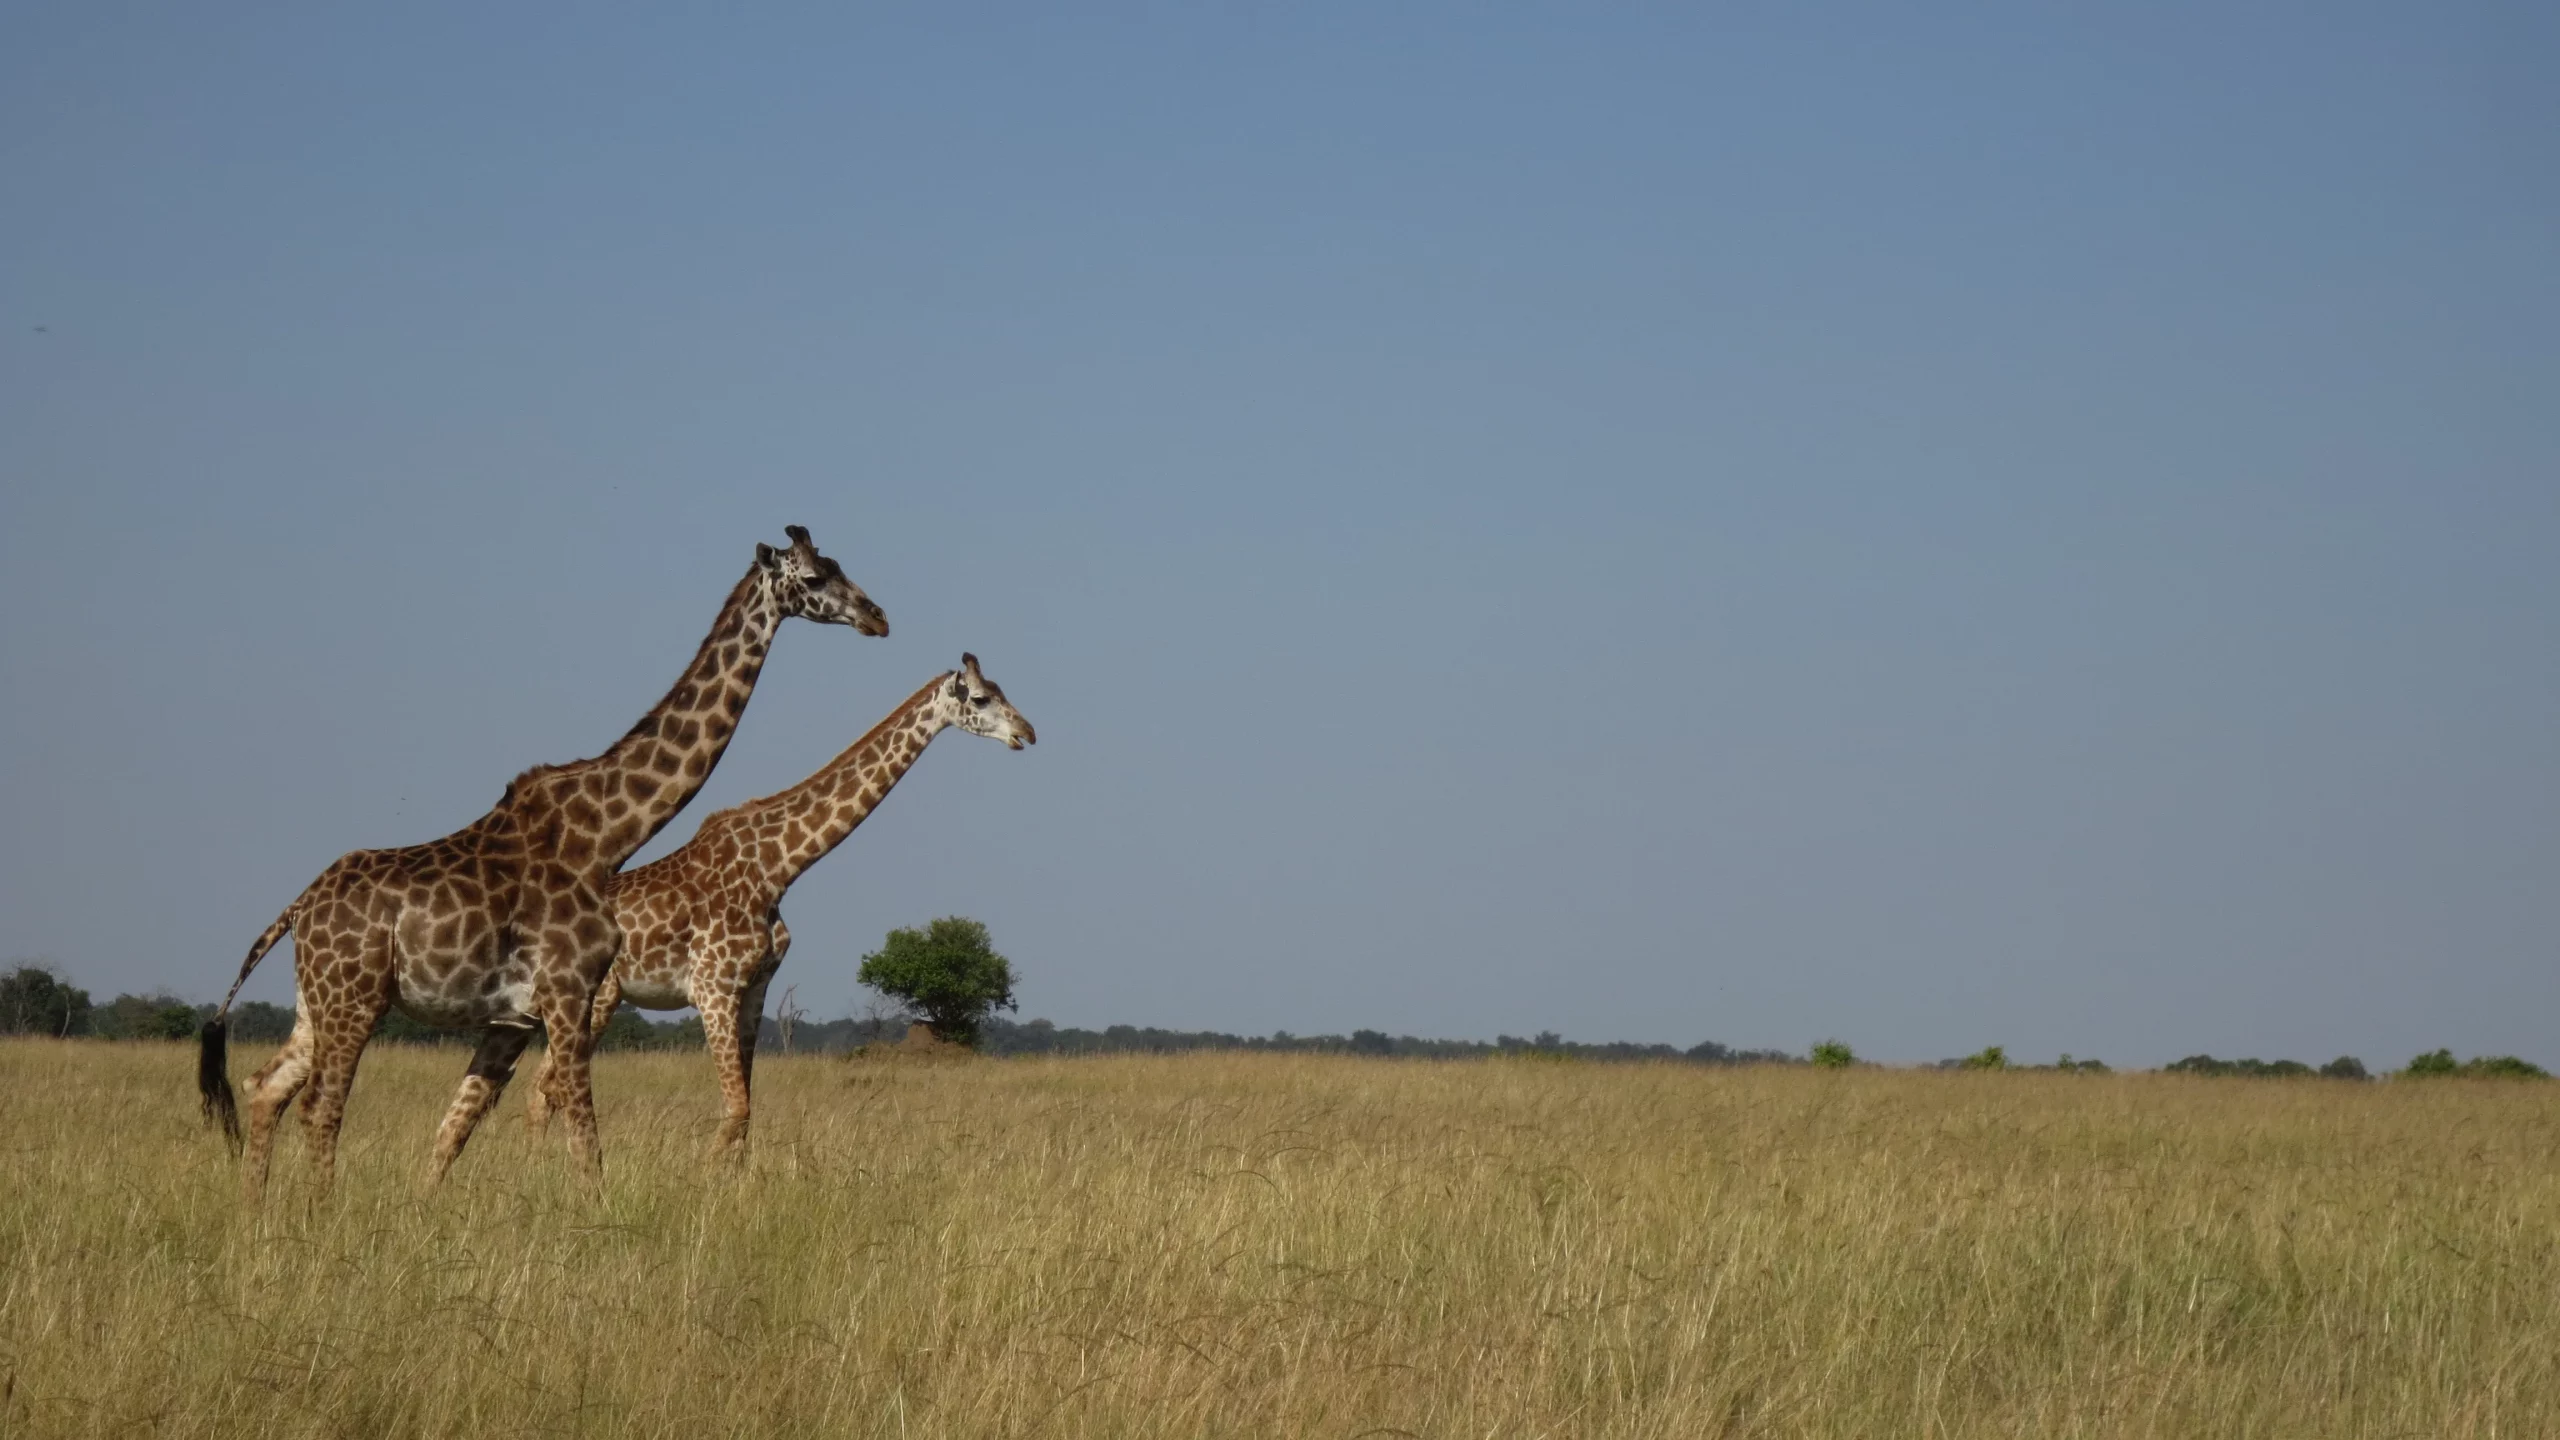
x,y
764,553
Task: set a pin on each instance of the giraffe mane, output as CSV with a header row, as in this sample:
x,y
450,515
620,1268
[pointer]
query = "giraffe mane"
x,y
762,804
527,777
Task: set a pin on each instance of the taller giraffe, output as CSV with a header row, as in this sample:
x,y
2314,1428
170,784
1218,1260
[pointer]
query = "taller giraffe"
x,y
504,923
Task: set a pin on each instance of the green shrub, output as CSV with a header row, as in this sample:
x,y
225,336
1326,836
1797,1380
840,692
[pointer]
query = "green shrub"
x,y
1990,1057
630,1030
1833,1055
258,1022
157,1016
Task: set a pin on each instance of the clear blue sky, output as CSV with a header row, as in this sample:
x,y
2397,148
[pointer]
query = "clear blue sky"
x,y
1936,526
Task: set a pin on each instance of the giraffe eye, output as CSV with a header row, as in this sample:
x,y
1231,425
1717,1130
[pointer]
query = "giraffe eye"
x,y
978,700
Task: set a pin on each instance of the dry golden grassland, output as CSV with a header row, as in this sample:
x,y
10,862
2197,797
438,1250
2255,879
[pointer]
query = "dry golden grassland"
x,y
1295,1246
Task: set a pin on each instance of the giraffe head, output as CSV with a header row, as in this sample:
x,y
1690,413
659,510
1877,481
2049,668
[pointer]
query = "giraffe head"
x,y
976,704
814,587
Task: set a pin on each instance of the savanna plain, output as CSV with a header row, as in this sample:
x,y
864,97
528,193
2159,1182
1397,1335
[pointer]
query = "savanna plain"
x,y
1273,1245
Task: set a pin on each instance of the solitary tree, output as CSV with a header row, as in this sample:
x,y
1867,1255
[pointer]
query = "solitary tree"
x,y
1833,1055
947,974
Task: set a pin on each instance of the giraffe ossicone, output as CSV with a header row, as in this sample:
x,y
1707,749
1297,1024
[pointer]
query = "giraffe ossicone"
x,y
504,925
702,925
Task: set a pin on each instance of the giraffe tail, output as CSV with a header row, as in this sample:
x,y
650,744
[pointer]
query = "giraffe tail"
x,y
213,1043
213,1079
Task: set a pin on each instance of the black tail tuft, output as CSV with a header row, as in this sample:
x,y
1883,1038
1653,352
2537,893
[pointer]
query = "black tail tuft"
x,y
213,1079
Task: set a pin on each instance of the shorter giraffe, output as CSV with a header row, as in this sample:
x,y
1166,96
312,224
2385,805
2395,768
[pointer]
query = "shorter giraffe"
x,y
702,926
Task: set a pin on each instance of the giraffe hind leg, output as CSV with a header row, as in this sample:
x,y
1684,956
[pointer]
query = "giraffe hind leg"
x,y
608,1000
338,1038
271,1089
491,1067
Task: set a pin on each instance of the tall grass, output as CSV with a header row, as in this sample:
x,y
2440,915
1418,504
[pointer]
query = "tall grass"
x,y
1295,1246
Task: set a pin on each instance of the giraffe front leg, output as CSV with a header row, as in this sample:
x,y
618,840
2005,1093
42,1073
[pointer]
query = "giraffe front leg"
x,y
570,960
568,1081
491,1067
720,1025
537,1100
750,1030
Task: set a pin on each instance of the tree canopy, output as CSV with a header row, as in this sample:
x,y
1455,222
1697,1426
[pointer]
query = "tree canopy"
x,y
35,1001
948,975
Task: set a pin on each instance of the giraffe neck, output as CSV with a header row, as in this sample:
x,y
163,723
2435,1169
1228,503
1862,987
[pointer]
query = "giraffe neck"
x,y
604,809
828,805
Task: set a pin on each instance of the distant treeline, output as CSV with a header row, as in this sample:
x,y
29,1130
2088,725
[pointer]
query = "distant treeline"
x,y
2345,1067
33,1000
1039,1037
2348,1067
36,1001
